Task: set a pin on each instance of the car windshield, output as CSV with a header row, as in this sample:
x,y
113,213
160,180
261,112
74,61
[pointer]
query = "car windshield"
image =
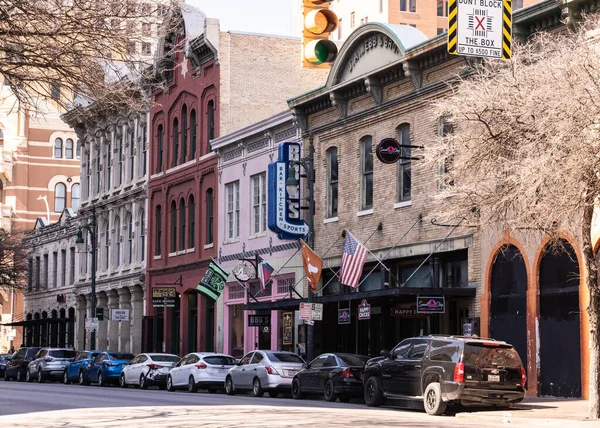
x,y
126,357
220,360
165,358
284,358
353,360
31,352
62,353
481,354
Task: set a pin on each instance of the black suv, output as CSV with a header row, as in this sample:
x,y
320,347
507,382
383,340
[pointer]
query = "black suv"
x,y
17,366
446,369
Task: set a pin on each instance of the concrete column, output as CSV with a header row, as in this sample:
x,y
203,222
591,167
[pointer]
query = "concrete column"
x,y
80,308
124,330
102,333
136,317
113,326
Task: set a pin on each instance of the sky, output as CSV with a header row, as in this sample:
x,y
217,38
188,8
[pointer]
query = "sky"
x,y
274,17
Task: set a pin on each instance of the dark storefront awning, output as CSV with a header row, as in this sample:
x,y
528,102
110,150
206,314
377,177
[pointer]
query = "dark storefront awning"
x,y
26,323
280,304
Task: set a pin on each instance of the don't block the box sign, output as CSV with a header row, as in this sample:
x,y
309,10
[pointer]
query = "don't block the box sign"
x,y
284,194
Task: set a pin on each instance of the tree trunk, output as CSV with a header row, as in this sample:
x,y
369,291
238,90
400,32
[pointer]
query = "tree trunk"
x,y
591,280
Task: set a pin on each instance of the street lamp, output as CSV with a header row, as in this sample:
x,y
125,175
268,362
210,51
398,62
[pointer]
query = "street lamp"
x,y
80,242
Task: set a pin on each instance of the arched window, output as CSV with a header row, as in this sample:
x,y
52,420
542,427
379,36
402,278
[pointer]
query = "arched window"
x,y
157,250
131,155
182,214
193,132
161,138
69,149
119,179
184,133
58,148
75,196
78,150
129,252
173,227
108,167
106,246
144,143
142,235
60,197
117,241
404,176
209,216
192,220
332,182
366,173
211,121
175,142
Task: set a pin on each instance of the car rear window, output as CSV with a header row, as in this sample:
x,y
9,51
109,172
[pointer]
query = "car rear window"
x,y
284,358
482,354
220,360
165,358
62,353
31,352
353,360
126,357
444,352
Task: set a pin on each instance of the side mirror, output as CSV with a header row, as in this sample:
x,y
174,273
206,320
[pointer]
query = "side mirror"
x,y
385,353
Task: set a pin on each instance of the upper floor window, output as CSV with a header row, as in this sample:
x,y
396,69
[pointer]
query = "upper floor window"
x,y
403,177
211,120
442,8
158,219
209,216
69,149
445,127
97,168
408,5
159,158
78,150
107,167
332,183
380,6
352,19
60,197
58,148
75,196
232,191
259,203
184,133
142,235
55,91
193,133
366,169
175,141
192,217
173,227
142,168
119,179
182,224
117,241
129,252
131,155
106,245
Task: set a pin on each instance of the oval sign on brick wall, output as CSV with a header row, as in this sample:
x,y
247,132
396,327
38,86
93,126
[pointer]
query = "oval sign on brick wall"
x,y
388,150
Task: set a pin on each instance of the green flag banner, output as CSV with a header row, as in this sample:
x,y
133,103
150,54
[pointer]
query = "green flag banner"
x,y
213,282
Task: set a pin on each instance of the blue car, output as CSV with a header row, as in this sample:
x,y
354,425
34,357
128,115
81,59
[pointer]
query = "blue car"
x,y
106,368
4,358
78,366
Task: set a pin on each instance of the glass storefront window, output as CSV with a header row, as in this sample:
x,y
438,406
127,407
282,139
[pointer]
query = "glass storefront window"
x,y
236,330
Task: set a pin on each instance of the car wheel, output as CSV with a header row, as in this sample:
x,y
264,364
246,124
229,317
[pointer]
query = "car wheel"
x,y
192,387
83,380
28,377
373,393
40,376
257,390
229,389
170,384
19,375
122,382
345,398
297,389
66,380
329,391
143,382
432,400
101,381
273,394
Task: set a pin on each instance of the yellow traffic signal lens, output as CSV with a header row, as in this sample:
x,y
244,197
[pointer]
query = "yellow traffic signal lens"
x,y
321,21
320,51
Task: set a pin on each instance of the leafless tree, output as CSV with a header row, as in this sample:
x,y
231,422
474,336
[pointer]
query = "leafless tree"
x,y
60,49
13,261
524,154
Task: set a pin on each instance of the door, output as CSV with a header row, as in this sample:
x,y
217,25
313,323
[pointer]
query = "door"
x,y
238,374
138,368
410,384
190,368
325,373
314,372
392,367
128,371
177,372
253,368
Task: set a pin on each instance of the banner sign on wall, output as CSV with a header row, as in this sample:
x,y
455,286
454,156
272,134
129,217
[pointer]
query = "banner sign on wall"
x,y
431,305
259,320
164,297
288,328
364,310
344,316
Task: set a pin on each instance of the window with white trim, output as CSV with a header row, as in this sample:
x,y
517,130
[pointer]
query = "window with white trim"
x,y
366,170
232,192
259,203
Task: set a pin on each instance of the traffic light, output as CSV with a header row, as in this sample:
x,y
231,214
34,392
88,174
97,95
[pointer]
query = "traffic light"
x,y
318,22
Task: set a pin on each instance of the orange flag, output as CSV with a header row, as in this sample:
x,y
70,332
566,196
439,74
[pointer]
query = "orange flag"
x,y
313,265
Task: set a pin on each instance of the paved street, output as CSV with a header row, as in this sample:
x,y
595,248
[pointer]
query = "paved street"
x,y
91,406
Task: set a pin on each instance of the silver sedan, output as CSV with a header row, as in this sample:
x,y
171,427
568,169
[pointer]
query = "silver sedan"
x,y
260,371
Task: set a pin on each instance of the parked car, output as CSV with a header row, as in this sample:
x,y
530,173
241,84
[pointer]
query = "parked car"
x,y
17,366
260,371
333,375
78,365
105,368
200,370
4,358
148,369
445,369
49,363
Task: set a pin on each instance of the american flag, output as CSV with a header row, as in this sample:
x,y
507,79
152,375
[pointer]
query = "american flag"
x,y
353,260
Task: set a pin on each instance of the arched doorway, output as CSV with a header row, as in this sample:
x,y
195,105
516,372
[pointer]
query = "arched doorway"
x,y
508,299
560,353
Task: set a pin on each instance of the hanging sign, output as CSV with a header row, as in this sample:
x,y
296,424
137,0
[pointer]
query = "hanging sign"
x,y
311,311
344,316
388,150
431,305
364,310
164,297
288,328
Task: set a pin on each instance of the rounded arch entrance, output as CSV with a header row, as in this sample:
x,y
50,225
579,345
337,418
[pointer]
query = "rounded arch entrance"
x,y
508,299
560,349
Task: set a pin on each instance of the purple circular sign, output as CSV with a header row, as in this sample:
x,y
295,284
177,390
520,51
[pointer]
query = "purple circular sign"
x,y
388,150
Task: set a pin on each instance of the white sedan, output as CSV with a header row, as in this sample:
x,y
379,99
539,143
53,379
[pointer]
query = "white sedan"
x,y
204,370
148,369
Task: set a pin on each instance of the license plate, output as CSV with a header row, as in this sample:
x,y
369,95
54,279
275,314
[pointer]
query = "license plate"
x,y
223,370
493,378
292,372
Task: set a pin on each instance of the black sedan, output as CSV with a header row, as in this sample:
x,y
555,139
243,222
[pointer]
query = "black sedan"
x,y
333,375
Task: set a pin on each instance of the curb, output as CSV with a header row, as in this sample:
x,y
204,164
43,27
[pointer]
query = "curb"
x,y
511,418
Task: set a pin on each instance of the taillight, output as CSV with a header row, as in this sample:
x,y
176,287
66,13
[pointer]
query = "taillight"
x,y
459,372
48,359
24,363
271,370
523,377
346,374
109,364
154,366
201,366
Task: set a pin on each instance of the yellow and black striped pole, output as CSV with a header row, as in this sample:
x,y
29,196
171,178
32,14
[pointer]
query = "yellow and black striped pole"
x,y
506,29
452,26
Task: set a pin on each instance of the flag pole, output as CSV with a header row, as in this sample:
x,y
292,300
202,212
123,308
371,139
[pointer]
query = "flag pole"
x,y
238,281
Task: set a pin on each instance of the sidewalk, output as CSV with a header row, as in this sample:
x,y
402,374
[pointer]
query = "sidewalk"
x,y
553,411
